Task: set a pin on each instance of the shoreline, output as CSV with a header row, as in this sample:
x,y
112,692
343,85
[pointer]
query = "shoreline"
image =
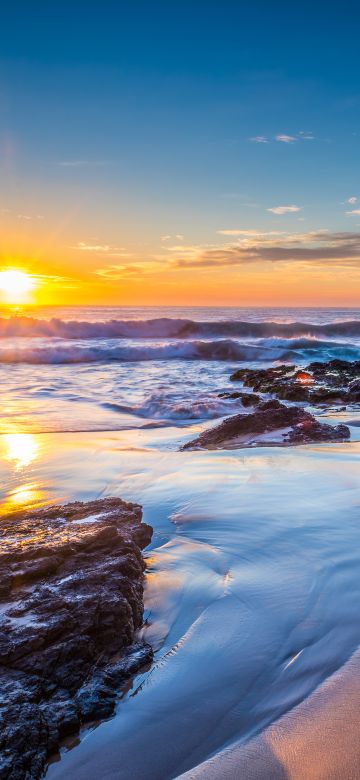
x,y
318,739
203,547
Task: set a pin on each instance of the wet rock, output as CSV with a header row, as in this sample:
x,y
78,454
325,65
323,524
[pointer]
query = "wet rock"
x,y
334,382
310,431
72,601
289,424
247,399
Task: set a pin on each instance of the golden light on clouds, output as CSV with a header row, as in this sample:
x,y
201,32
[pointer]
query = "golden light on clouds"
x,y
15,285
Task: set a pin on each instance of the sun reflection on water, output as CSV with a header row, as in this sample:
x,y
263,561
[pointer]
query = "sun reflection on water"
x,y
21,448
20,490
24,495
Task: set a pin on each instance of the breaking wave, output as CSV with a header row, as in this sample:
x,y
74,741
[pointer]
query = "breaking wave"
x,y
164,327
264,350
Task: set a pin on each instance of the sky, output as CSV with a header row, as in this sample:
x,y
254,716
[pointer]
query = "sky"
x,y
181,153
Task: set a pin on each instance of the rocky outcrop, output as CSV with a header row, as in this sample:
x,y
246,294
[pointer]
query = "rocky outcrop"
x,y
271,423
71,601
247,399
335,382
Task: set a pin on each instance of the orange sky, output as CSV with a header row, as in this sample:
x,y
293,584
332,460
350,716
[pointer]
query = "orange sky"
x,y
231,270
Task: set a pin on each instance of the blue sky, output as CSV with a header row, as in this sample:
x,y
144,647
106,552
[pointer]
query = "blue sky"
x,y
133,121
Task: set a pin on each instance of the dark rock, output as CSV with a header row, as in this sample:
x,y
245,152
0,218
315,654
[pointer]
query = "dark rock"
x,y
72,577
247,399
334,382
271,416
314,431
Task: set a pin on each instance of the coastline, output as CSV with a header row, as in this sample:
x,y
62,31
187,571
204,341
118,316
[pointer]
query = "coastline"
x,y
318,739
208,579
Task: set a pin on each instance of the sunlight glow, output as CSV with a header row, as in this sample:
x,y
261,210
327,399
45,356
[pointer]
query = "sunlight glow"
x,y
21,448
16,285
28,494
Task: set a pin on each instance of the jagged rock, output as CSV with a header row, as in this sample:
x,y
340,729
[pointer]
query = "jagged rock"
x,y
247,399
313,431
289,424
334,382
72,582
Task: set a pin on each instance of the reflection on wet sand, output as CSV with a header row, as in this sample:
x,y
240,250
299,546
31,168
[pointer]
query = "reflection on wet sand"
x,y
318,740
21,448
253,570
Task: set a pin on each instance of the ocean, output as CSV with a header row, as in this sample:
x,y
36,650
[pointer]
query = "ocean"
x,y
252,580
96,368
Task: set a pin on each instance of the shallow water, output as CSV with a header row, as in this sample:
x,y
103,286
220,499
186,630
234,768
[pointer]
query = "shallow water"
x,y
252,591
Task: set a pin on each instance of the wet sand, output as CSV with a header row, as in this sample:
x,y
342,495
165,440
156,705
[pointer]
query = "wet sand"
x,y
252,595
318,740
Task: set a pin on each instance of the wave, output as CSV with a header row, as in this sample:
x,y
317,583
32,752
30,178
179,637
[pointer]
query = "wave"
x,y
288,350
162,406
171,328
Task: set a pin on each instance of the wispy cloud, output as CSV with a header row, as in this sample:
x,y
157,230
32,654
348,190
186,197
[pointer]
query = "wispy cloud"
x,y
284,209
321,247
249,233
106,249
351,200
286,139
178,236
307,136
117,272
66,282
29,217
79,163
353,213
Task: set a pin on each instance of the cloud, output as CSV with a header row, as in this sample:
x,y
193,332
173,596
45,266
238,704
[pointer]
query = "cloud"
x,y
352,200
286,139
106,249
79,163
26,217
285,209
307,136
320,247
179,237
249,233
353,213
66,282
113,273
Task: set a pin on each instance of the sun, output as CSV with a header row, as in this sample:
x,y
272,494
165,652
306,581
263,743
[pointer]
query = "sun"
x,y
16,285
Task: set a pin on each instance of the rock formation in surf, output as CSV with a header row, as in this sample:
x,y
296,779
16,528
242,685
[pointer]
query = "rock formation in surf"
x,y
71,592
285,424
335,382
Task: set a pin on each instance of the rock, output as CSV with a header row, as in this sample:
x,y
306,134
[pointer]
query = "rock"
x,y
313,431
291,424
247,399
72,593
335,382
